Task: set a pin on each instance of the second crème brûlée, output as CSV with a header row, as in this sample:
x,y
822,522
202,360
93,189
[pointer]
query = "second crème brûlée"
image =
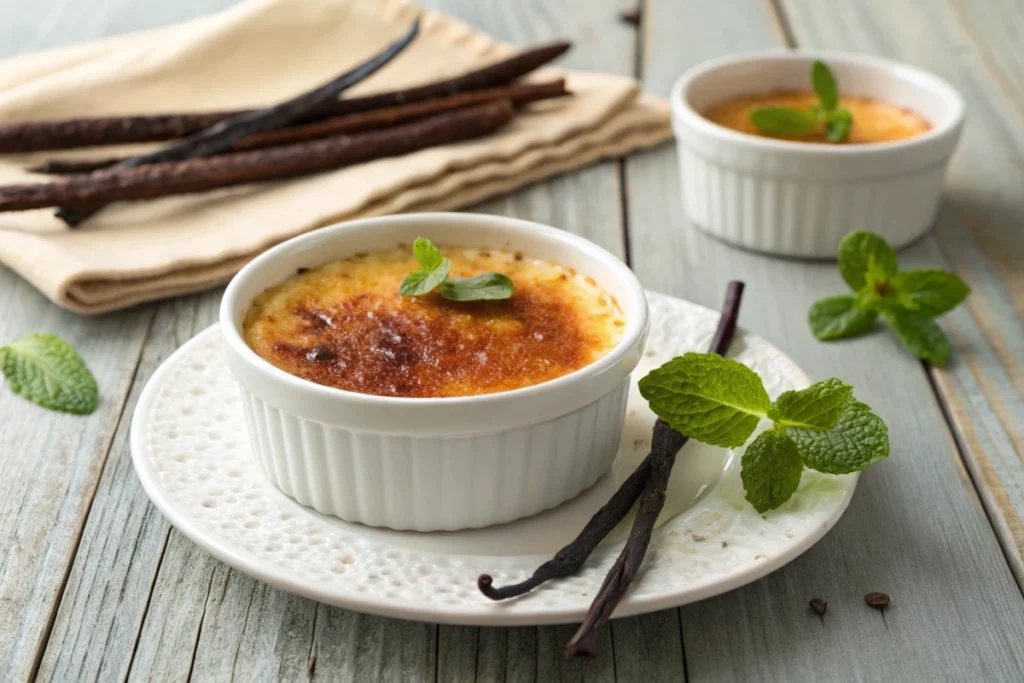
x,y
873,121
345,325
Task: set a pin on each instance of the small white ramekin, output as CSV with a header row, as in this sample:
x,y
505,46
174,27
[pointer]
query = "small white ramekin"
x,y
798,198
434,463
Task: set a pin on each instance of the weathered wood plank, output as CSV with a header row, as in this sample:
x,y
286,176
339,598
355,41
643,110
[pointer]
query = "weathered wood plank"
x,y
108,588
915,528
51,464
979,234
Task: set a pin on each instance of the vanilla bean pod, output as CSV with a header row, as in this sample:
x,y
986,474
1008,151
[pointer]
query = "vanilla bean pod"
x,y
34,136
273,163
350,123
629,561
571,557
221,136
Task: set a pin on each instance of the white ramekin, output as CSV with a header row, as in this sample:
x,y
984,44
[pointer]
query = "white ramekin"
x,y
797,198
434,463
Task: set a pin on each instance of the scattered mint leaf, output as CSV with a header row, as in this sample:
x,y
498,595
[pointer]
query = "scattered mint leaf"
x,y
824,84
930,291
771,470
865,258
421,282
46,369
839,316
819,406
838,126
907,300
783,121
434,274
859,439
486,286
706,397
426,254
920,335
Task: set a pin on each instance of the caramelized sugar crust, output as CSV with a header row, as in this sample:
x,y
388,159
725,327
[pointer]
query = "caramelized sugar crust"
x,y
345,325
873,121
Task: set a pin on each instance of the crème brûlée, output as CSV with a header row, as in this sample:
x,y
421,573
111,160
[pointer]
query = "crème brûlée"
x,y
345,325
873,121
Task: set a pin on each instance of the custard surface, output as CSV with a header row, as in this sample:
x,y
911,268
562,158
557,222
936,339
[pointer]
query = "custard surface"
x,y
873,121
345,325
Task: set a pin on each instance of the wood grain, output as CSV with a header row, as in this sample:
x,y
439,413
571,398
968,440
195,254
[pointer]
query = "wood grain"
x,y
979,232
51,464
915,528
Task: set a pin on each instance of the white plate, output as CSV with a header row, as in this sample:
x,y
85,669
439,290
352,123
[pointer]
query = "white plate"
x,y
192,454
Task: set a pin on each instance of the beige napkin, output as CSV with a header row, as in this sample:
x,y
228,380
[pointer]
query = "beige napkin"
x,y
257,53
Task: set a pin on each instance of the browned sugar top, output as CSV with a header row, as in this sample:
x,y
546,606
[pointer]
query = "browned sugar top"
x,y
873,121
345,325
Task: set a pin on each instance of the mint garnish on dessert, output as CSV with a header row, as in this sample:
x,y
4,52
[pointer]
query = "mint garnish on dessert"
x,y
46,369
906,300
791,122
433,274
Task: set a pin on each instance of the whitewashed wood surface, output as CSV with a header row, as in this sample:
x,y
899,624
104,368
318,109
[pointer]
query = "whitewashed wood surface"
x,y
95,585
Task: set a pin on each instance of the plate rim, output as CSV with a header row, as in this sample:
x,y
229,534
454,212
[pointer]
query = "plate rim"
x,y
252,566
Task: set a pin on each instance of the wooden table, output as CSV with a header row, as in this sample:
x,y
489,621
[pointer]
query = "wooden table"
x,y
94,583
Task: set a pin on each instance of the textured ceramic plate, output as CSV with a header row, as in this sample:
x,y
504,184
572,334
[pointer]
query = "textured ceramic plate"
x,y
192,454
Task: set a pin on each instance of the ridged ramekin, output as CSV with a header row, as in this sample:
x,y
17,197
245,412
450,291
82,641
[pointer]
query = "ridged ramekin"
x,y
434,463
799,198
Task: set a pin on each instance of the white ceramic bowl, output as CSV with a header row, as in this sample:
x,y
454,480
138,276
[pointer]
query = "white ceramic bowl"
x,y
797,198
434,463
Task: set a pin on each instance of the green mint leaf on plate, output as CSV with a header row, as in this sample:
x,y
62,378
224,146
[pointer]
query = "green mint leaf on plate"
x,y
423,281
920,335
770,468
486,286
783,121
839,316
838,125
46,369
859,439
930,291
426,254
816,407
707,397
824,84
865,258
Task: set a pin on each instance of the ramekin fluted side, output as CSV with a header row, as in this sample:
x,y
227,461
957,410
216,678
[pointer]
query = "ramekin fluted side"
x,y
802,217
436,483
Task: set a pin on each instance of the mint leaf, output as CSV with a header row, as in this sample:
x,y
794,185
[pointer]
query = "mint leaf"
x,y
422,281
771,470
929,291
920,335
860,438
486,286
819,406
839,316
865,258
783,121
824,84
46,369
837,128
706,397
426,254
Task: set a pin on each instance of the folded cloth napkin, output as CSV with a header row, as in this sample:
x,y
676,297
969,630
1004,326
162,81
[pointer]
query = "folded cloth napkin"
x,y
258,53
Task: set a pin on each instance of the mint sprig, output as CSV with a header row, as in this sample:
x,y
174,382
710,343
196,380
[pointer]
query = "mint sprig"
x,y
794,123
433,273
46,369
906,300
721,402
